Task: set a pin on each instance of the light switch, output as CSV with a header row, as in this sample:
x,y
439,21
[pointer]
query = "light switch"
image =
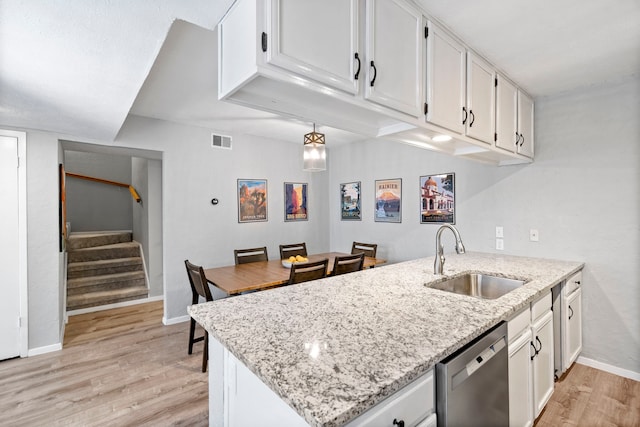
x,y
499,232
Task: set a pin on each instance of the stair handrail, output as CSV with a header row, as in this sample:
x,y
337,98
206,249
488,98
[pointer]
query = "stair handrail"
x,y
132,190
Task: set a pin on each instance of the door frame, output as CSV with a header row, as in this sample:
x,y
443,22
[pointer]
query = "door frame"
x,y
22,237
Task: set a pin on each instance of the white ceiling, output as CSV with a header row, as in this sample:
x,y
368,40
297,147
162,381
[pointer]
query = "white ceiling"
x,y
80,68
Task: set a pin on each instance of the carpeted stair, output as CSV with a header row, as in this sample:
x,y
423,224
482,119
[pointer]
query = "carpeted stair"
x,y
103,268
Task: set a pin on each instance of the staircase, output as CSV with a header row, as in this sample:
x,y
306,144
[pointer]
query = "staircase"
x,y
103,268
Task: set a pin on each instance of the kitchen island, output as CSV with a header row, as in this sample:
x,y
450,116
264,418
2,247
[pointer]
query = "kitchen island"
x,y
334,348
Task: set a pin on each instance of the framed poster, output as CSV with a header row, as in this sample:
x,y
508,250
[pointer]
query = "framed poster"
x,y
438,199
252,200
350,206
388,200
295,201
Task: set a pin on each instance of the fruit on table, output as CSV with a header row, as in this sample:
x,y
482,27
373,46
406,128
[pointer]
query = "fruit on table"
x,y
297,258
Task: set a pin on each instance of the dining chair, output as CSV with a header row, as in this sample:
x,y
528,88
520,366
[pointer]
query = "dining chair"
x,y
369,249
292,250
243,256
308,271
348,264
199,288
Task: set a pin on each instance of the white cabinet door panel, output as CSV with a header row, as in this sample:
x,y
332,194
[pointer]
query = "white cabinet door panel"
x,y
543,369
445,80
525,123
316,39
480,99
506,114
394,59
520,386
573,322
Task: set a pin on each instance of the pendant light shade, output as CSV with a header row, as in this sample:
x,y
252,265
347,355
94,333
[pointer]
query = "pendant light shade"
x,y
315,156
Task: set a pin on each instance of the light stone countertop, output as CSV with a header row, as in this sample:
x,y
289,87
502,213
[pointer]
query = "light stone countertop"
x,y
336,347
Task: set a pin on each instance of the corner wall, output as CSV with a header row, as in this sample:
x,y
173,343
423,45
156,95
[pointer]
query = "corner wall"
x,y
582,194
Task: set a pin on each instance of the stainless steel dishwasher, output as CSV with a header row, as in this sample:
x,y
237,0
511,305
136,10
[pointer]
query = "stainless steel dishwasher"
x,y
472,385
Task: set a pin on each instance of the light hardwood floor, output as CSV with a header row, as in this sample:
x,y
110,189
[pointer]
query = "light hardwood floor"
x,y
119,367
122,367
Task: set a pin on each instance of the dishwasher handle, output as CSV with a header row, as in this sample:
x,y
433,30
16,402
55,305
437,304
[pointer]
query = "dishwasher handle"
x,y
478,361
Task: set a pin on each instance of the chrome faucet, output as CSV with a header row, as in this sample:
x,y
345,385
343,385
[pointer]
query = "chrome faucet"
x,y
439,262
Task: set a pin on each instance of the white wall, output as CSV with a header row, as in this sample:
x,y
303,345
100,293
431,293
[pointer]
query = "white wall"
x,y
44,262
581,193
95,206
194,173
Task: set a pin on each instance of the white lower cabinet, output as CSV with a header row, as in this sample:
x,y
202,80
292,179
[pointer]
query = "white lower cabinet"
x,y
572,320
531,362
542,338
238,398
520,381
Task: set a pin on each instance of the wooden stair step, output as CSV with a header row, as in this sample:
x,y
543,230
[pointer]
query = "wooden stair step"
x,y
104,266
80,240
118,250
105,282
92,299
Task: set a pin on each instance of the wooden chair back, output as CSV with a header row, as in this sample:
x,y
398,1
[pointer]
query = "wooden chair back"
x,y
293,249
348,264
199,288
308,271
243,256
369,249
198,282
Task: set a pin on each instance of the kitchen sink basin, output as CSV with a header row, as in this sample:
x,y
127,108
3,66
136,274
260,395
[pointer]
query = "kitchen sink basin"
x,y
478,285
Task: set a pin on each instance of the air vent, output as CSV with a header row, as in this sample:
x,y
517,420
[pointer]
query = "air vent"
x,y
221,141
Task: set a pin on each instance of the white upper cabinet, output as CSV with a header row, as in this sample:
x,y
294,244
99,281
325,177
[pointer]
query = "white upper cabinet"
x,y
525,124
394,55
316,39
445,80
514,118
480,106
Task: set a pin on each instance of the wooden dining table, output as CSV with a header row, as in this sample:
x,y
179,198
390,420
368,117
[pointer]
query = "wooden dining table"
x,y
235,279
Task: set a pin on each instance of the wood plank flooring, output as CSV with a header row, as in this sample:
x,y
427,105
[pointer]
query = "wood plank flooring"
x,y
585,396
118,367
122,367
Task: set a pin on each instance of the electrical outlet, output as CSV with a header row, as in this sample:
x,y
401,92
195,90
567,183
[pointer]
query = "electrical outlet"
x,y
500,244
499,232
533,235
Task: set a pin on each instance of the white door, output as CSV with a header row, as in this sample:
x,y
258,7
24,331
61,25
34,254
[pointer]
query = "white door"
x,y
543,368
480,99
395,49
318,40
506,115
446,81
9,249
525,124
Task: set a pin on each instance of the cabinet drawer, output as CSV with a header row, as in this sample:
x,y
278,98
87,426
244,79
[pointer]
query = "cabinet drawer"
x,y
573,283
517,324
540,307
412,404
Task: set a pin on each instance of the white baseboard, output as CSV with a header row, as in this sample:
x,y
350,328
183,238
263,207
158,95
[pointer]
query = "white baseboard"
x,y
116,305
45,349
175,320
609,368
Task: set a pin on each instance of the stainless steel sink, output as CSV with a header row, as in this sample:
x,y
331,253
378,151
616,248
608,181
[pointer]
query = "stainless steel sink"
x,y
478,285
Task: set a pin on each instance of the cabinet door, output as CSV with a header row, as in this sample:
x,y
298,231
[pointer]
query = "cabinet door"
x,y
520,386
316,39
573,333
445,80
525,124
394,59
506,114
542,362
480,99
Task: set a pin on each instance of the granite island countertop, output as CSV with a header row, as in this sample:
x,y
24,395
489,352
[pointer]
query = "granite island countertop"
x,y
336,347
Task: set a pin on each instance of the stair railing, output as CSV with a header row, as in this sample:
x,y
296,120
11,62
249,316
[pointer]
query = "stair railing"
x,y
132,190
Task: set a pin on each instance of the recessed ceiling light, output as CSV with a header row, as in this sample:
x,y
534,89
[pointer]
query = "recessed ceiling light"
x,y
441,138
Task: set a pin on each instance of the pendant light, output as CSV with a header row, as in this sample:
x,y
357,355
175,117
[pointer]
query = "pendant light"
x,y
314,156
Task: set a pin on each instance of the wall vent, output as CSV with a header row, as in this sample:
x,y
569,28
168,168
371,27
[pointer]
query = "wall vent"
x,y
220,141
